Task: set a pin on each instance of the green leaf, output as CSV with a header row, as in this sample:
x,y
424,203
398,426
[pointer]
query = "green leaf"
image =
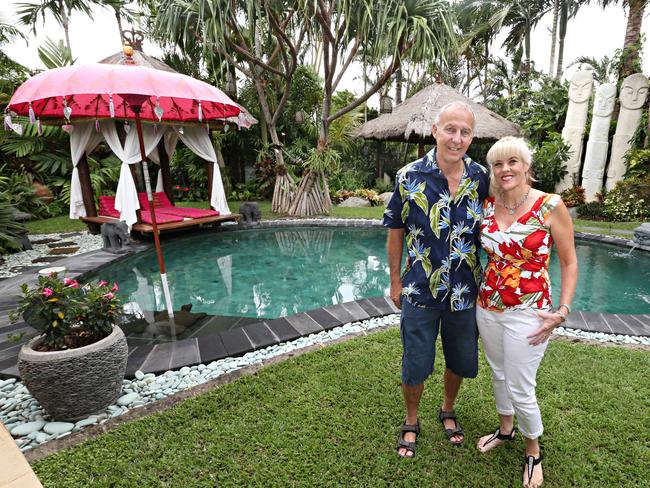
x,y
405,211
434,219
421,201
434,281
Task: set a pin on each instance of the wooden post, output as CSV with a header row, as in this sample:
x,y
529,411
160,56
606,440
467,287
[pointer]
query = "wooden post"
x,y
166,172
421,149
210,177
378,160
87,192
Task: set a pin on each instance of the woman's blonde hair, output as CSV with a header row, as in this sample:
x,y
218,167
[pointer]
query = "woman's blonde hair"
x,y
505,148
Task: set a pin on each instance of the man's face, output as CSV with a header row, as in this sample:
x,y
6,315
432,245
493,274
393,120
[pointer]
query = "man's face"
x,y
453,134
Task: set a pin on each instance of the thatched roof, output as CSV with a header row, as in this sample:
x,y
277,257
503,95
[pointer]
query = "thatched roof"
x,y
412,119
140,59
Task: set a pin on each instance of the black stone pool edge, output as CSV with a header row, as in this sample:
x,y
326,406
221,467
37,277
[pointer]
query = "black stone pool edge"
x,y
237,342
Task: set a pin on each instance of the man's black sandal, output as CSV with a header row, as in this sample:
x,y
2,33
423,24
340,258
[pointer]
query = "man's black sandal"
x,y
529,465
402,443
458,431
500,436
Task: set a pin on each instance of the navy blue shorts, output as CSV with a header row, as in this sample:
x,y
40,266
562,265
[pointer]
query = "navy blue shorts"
x,y
419,331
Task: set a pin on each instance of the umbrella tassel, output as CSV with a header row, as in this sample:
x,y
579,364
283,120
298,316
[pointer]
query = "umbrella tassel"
x,y
111,106
96,125
200,112
39,127
67,111
32,115
7,122
158,110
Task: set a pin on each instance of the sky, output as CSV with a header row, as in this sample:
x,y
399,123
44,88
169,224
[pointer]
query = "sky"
x,y
594,32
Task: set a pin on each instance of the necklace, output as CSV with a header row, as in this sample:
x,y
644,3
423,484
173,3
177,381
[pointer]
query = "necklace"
x,y
511,210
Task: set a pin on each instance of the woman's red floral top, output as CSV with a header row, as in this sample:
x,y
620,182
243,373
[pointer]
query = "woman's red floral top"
x,y
516,275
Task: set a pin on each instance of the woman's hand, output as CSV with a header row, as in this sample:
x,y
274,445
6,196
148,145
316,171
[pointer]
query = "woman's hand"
x,y
550,320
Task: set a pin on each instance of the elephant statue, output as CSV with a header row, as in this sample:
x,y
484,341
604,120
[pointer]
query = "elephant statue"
x,y
115,236
250,213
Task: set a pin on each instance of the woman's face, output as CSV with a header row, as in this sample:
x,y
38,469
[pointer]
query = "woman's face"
x,y
509,173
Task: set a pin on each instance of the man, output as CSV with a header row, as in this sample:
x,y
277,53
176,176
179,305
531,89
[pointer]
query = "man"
x,y
436,206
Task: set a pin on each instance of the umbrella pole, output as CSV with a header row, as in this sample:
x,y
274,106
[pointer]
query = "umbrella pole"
x,y
156,237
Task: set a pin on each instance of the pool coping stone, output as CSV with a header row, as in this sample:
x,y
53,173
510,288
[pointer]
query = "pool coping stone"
x,y
157,358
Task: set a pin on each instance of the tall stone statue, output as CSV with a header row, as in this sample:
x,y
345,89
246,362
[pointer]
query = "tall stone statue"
x,y
598,143
634,91
574,126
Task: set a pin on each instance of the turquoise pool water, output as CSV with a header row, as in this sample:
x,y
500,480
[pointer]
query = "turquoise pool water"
x,y
272,273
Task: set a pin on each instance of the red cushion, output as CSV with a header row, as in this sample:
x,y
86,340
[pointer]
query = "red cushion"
x,y
107,207
161,218
160,200
188,212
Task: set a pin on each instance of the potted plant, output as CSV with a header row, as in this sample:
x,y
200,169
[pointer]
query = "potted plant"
x,y
75,367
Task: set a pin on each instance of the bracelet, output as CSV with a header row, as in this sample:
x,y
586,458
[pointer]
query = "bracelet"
x,y
565,305
564,316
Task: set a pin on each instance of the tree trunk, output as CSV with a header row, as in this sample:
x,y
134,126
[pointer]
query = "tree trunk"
x,y
564,19
398,86
312,197
556,15
632,42
65,23
118,18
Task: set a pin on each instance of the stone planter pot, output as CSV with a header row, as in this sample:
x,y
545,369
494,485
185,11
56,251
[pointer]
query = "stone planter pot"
x,y
73,384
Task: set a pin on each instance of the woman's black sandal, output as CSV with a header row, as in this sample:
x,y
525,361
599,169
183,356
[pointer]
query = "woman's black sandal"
x,y
529,465
500,436
402,443
458,431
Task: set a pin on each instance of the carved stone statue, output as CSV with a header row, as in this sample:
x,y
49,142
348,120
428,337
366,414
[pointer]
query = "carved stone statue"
x,y
250,213
596,155
574,126
634,91
115,236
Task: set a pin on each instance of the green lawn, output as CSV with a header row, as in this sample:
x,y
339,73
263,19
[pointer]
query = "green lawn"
x,y
64,224
331,418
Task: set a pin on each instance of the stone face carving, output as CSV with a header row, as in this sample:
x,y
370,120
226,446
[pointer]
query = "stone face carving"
x,y
642,235
596,155
634,91
115,236
574,126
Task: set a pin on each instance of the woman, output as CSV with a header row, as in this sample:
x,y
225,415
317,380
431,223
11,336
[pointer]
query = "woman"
x,y
515,316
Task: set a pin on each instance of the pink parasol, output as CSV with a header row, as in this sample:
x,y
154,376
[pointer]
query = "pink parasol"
x,y
101,91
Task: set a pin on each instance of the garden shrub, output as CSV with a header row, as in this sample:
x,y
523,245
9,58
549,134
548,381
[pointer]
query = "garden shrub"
x,y
629,200
592,211
549,162
574,196
371,195
8,229
637,162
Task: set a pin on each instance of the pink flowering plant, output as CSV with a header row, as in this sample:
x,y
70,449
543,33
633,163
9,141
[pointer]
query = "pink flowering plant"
x,y
67,314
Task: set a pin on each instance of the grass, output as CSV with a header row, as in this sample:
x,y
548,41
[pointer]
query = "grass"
x,y
331,418
64,224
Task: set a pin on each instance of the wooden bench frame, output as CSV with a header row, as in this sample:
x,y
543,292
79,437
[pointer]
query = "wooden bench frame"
x,y
184,224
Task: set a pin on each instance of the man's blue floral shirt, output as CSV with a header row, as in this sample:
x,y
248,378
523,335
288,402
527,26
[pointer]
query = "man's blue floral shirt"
x,y
442,233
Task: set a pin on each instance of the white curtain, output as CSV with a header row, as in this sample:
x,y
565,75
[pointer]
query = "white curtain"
x,y
126,196
170,138
83,139
198,141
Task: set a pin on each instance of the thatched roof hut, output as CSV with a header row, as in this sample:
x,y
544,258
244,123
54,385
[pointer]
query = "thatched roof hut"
x,y
411,120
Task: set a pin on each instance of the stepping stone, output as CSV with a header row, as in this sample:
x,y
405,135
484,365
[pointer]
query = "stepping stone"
x,y
45,241
47,259
26,429
55,428
61,244
63,250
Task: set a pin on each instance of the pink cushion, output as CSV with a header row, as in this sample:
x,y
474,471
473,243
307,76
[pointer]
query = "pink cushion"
x,y
107,207
188,212
161,218
160,200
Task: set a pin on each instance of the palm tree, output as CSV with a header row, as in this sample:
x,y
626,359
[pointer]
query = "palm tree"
x,y
605,70
389,31
30,13
632,41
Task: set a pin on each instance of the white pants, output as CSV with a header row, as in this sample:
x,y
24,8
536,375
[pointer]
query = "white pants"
x,y
514,364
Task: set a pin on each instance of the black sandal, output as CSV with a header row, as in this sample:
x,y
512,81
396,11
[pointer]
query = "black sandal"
x,y
402,443
442,416
529,465
500,436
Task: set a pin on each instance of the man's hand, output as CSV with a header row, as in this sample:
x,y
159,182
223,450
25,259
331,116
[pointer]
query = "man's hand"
x,y
396,293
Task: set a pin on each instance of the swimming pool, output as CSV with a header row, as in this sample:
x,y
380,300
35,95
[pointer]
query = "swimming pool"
x,y
270,273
